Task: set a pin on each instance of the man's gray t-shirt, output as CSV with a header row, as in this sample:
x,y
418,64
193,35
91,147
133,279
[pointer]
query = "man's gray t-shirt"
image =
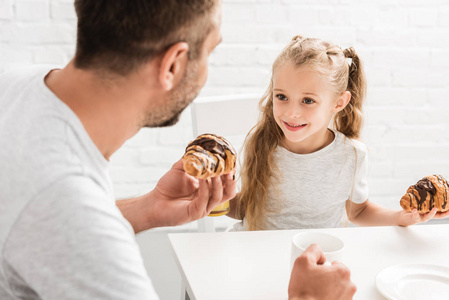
x,y
313,188
61,234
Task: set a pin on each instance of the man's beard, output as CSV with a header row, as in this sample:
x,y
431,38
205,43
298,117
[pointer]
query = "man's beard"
x,y
178,99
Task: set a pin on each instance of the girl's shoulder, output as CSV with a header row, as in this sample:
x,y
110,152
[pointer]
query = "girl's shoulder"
x,y
355,144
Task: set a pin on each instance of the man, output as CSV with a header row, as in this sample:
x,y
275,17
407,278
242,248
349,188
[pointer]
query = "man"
x,y
62,235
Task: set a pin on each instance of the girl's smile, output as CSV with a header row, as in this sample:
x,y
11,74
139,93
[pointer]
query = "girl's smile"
x,y
294,127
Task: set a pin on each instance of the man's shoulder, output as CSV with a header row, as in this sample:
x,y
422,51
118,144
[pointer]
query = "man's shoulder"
x,y
23,75
24,72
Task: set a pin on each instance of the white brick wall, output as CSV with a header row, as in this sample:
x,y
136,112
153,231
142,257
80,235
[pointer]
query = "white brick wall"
x,y
404,44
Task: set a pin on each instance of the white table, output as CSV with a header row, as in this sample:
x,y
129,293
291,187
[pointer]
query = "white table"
x,y
255,265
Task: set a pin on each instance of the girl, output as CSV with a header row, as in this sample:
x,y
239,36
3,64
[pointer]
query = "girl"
x,y
297,172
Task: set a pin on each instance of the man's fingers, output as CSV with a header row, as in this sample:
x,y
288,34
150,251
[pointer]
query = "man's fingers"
x,y
216,193
314,255
178,165
211,193
230,186
351,289
342,271
198,207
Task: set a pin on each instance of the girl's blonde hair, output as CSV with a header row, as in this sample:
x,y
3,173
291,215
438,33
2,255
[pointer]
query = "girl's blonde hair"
x,y
343,70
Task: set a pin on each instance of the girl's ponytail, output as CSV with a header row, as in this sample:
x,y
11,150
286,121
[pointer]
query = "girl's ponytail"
x,y
349,121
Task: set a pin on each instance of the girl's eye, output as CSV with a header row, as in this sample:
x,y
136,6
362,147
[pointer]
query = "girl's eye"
x,y
281,97
308,101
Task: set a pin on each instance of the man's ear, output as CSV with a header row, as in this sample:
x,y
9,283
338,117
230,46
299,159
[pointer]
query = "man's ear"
x,y
342,101
173,65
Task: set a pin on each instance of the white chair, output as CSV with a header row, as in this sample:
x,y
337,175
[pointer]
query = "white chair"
x,y
229,116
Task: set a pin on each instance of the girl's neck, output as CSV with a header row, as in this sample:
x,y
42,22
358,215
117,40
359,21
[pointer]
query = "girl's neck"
x,y
312,144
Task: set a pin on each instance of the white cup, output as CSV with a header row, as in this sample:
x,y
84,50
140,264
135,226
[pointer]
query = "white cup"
x,y
331,245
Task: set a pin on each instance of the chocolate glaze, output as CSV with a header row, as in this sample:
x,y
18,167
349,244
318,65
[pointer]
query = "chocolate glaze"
x,y
215,146
423,186
434,189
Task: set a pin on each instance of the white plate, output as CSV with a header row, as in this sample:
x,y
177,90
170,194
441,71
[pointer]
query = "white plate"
x,y
413,282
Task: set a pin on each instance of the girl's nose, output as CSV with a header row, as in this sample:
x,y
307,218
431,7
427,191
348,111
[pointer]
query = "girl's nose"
x,y
294,111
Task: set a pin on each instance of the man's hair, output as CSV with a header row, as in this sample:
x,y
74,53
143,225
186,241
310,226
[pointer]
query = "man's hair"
x,y
120,35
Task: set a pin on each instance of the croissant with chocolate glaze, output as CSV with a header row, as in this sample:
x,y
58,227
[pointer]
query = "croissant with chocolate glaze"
x,y
429,192
209,155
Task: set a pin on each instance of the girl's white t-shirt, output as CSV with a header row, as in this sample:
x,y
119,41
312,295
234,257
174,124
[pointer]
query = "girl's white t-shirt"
x,y
312,189
61,233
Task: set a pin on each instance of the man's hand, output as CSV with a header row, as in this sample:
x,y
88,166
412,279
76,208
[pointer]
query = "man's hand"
x,y
407,218
179,198
310,279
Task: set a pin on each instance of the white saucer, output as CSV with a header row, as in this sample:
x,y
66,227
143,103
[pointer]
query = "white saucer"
x,y
413,282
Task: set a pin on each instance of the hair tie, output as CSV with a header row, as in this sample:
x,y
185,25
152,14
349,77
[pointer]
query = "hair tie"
x,y
349,54
297,38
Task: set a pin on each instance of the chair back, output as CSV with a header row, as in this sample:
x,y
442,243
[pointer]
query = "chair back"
x,y
230,116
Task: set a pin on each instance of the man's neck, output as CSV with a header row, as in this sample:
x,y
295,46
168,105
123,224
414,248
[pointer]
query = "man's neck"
x,y
110,110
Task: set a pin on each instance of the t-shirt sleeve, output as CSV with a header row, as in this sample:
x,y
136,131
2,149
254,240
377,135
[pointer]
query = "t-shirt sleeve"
x,y
72,242
360,191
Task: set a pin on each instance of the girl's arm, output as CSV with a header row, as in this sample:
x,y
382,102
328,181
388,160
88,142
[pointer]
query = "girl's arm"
x,y
371,214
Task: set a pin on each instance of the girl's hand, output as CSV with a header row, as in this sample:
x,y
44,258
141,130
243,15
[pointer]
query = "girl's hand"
x,y
441,215
407,218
